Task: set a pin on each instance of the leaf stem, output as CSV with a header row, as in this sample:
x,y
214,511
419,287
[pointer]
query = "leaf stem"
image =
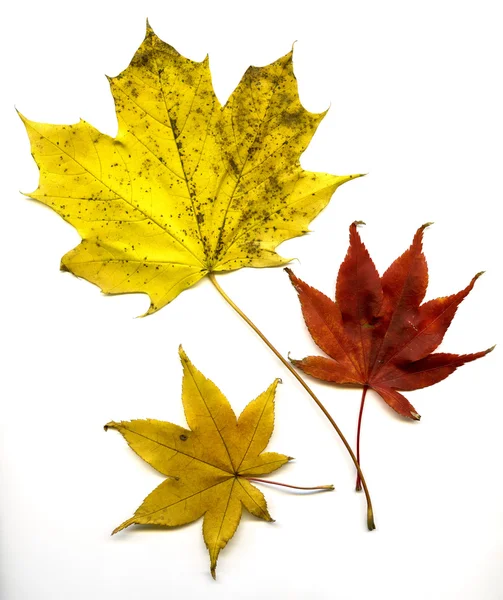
x,y
295,487
362,403
370,513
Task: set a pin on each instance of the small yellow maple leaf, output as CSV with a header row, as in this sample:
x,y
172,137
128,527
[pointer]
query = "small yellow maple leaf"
x,y
187,187
208,464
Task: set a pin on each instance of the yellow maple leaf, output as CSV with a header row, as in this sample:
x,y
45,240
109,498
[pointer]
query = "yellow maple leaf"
x,y
188,187
207,465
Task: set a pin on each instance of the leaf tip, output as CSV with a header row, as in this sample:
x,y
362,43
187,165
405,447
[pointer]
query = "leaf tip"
x,y
294,280
153,308
425,225
21,116
123,526
346,178
213,570
295,361
415,415
490,349
148,27
181,353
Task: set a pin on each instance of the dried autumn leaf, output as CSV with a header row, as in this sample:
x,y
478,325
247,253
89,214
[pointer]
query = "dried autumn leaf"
x,y
208,465
188,187
377,332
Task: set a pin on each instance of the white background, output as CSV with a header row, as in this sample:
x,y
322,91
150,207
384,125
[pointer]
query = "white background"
x,y
416,101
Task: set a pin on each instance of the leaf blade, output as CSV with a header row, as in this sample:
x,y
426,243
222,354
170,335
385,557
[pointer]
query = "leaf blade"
x,y
198,484
187,187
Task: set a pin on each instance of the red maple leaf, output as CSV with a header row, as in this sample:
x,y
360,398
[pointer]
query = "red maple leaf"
x,y
377,332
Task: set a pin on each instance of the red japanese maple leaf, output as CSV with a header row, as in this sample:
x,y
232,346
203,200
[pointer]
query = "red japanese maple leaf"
x,y
377,332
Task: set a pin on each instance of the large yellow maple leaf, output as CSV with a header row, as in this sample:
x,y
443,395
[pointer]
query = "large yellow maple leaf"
x,y
187,187
208,465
